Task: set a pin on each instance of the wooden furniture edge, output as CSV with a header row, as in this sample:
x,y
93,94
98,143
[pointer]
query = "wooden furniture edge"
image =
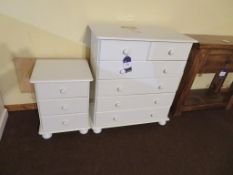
x,y
21,107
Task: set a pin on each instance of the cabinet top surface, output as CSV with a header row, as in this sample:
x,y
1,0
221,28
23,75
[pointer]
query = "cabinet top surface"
x,y
142,33
213,41
57,70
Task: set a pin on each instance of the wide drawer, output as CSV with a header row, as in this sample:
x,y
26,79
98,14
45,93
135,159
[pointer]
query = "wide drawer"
x,y
63,106
136,86
63,123
131,117
133,102
62,90
141,69
169,51
117,50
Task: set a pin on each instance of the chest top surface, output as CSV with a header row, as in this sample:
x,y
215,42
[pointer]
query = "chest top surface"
x,y
141,33
56,70
213,41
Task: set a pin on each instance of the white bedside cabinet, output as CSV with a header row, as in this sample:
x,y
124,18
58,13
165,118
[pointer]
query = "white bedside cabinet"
x,y
62,93
137,72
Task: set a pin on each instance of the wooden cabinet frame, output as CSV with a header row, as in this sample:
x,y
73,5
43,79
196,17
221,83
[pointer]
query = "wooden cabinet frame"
x,y
210,55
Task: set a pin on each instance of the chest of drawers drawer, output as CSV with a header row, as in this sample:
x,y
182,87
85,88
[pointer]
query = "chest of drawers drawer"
x,y
64,106
130,117
116,50
62,90
66,122
141,69
169,51
134,102
136,86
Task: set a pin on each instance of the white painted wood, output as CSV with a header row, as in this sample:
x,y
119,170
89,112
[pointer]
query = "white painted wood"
x,y
95,44
83,131
97,130
62,93
60,70
63,123
3,117
136,86
169,51
138,32
64,106
117,50
158,57
131,117
62,90
134,102
47,136
141,69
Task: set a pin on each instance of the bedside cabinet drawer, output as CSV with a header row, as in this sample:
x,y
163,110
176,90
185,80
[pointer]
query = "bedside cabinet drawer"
x,y
136,86
63,106
62,90
130,117
141,69
169,51
117,50
64,123
134,102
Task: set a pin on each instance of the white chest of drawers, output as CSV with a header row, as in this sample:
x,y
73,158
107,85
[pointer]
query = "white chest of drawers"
x,y
62,93
137,72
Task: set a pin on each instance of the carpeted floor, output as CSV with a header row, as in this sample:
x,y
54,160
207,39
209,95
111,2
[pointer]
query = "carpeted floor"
x,y
199,143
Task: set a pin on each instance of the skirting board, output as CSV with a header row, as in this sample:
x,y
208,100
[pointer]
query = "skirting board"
x,y
3,119
21,107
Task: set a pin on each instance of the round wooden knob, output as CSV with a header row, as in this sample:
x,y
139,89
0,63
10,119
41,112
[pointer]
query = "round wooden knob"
x,y
117,104
64,108
125,52
65,122
170,52
62,91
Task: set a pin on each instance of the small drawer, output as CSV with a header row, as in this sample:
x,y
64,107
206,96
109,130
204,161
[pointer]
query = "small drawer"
x,y
215,62
169,51
134,102
136,86
62,123
116,50
63,106
62,90
140,69
131,117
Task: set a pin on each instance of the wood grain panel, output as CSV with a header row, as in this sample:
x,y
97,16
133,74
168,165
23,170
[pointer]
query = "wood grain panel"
x,y
21,107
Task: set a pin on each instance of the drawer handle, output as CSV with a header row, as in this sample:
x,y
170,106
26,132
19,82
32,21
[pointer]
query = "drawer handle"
x,y
122,71
64,108
125,52
170,52
117,104
118,89
164,71
152,115
160,87
114,118
155,102
65,122
62,91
